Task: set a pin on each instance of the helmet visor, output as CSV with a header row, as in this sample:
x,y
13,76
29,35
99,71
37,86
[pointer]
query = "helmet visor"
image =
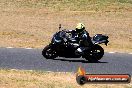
x,y
79,30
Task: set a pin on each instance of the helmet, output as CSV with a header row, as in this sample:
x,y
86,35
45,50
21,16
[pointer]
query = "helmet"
x,y
80,27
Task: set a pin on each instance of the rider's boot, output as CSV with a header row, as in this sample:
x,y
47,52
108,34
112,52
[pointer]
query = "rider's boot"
x,y
79,51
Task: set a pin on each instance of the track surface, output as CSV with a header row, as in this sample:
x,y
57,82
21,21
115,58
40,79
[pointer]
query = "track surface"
x,y
31,59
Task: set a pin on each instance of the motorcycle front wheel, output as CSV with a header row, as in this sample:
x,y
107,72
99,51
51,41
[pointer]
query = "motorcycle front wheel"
x,y
95,54
49,53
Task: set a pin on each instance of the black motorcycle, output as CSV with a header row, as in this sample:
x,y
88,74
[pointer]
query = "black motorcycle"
x,y
64,44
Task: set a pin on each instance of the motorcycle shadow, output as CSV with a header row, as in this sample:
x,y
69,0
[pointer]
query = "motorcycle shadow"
x,y
82,61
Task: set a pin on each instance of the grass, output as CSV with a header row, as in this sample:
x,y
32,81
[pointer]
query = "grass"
x,y
71,5
31,23
38,25
41,79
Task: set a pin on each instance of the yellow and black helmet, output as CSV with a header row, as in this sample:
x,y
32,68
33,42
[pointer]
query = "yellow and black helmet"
x,y
80,27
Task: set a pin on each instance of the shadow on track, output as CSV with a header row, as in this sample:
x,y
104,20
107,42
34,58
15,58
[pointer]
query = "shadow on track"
x,y
82,61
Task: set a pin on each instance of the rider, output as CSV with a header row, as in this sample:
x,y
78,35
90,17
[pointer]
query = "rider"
x,y
84,39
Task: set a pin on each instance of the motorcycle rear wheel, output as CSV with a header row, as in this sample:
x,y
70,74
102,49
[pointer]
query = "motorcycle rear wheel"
x,y
49,53
95,54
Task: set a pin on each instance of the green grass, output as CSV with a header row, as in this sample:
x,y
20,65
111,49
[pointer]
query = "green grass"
x,y
70,5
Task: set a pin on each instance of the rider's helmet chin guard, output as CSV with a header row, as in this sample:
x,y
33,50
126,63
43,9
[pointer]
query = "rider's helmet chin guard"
x,y
80,27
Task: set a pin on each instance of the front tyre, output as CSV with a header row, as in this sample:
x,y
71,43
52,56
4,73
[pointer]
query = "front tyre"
x,y
49,53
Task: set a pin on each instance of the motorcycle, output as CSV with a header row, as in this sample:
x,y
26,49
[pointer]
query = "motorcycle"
x,y
64,44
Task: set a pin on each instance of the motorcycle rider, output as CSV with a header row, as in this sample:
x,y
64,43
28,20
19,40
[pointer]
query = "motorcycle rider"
x,y
83,38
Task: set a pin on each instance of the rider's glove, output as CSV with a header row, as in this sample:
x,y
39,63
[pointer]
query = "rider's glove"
x,y
65,40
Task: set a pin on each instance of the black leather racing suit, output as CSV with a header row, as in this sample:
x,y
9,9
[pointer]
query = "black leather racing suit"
x,y
84,41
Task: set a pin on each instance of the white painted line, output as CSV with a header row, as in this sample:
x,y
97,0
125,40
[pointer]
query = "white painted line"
x,y
49,71
30,70
28,48
111,52
32,48
13,69
9,47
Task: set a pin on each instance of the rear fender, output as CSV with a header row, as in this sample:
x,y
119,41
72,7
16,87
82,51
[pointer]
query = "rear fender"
x,y
100,39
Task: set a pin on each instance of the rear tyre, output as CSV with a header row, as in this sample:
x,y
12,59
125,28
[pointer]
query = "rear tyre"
x,y
49,53
95,54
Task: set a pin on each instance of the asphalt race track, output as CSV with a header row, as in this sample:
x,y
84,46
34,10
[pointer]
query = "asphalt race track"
x,y
31,59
